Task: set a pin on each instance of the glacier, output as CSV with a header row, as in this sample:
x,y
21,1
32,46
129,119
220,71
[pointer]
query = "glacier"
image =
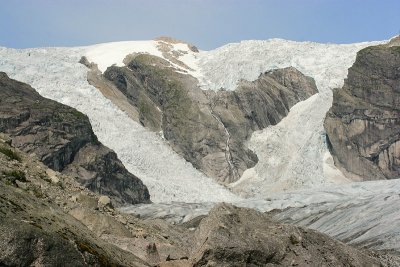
x,y
295,174
56,74
362,214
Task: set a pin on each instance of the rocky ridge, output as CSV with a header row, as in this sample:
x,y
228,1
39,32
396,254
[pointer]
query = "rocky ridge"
x,y
208,128
62,138
363,125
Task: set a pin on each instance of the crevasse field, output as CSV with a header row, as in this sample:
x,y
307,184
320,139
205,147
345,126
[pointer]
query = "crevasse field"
x,y
295,170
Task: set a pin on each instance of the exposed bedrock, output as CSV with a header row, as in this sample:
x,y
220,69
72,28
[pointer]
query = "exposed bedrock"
x,y
62,138
208,128
231,236
363,125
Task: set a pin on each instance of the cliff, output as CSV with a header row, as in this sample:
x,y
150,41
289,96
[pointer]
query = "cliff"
x,y
363,125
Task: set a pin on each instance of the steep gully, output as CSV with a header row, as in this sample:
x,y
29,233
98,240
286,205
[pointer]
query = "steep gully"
x,y
228,154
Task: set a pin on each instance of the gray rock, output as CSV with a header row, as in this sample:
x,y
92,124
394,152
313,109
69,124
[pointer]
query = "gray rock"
x,y
232,236
209,129
62,138
363,125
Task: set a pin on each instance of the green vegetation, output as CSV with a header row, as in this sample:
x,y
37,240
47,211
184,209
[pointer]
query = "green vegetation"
x,y
60,184
10,154
37,192
144,107
78,114
15,175
68,115
294,240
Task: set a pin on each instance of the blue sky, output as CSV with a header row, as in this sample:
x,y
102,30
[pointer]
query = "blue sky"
x,y
205,23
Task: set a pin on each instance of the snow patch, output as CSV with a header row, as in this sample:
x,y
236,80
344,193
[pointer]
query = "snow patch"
x,y
108,54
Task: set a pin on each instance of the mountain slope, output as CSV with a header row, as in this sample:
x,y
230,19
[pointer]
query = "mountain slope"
x,y
292,154
35,226
363,124
57,74
62,138
208,128
296,156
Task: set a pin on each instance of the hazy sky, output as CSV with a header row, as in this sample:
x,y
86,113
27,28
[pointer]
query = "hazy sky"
x,y
205,23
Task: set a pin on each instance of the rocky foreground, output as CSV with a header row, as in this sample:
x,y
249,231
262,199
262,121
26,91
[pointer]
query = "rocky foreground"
x,y
363,125
49,219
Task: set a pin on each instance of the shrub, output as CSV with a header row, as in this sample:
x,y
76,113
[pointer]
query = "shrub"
x,y
14,176
10,154
78,114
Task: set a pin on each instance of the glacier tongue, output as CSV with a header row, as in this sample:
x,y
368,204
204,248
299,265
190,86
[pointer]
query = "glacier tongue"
x,y
363,214
56,74
292,154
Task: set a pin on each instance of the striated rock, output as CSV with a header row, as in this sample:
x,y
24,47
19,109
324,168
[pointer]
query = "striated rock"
x,y
363,125
208,128
62,138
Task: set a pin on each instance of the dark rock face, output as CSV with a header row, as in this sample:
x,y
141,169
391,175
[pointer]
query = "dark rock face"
x,y
34,246
209,129
63,139
363,125
99,169
232,236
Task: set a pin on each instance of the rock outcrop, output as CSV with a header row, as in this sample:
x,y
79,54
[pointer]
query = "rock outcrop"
x,y
62,138
208,128
231,236
363,125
